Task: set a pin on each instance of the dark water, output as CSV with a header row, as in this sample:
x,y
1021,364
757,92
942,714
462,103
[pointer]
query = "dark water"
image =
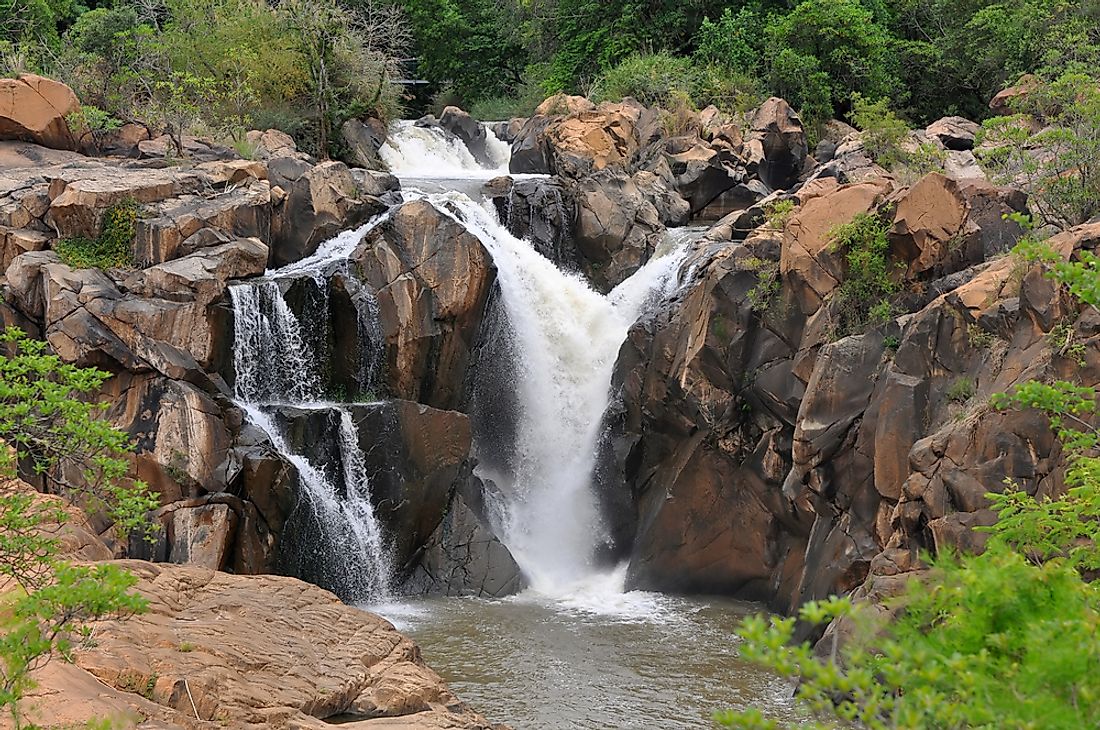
x,y
592,659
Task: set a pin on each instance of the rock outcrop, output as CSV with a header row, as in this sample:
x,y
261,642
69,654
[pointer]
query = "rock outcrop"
x,y
34,109
432,279
218,650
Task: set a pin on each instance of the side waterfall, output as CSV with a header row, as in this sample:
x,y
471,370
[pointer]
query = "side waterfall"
x,y
276,367
413,151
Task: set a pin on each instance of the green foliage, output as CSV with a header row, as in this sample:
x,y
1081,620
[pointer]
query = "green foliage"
x,y
826,50
883,131
961,390
1064,179
979,338
778,212
651,78
987,641
112,248
864,297
52,429
763,296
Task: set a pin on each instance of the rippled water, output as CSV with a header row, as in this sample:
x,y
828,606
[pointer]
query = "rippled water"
x,y
592,659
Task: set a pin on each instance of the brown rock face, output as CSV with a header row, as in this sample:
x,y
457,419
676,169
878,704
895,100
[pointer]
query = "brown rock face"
x,y
33,109
616,228
246,652
751,454
432,278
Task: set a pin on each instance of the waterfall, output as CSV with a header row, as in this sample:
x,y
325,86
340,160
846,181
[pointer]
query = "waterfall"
x,y
566,339
430,152
277,366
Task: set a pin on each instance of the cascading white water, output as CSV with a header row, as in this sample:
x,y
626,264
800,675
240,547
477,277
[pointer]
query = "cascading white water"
x,y
568,337
429,152
275,366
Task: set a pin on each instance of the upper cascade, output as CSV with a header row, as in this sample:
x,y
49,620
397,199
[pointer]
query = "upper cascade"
x,y
416,151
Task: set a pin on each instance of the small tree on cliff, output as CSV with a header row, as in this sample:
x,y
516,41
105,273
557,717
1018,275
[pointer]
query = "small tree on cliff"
x,y
1005,639
50,429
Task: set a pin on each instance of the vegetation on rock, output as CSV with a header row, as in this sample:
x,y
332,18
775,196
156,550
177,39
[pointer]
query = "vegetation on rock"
x,y
112,248
1002,639
51,430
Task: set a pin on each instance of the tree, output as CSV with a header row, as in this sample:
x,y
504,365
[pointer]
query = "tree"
x,y
51,431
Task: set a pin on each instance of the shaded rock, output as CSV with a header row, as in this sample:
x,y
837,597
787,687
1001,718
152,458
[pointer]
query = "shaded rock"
x,y
539,210
364,137
375,183
702,173
956,133
321,200
14,154
201,535
432,279
778,130
530,151
33,109
1002,103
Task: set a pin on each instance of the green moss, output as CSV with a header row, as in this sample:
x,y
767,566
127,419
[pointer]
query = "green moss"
x,y
111,249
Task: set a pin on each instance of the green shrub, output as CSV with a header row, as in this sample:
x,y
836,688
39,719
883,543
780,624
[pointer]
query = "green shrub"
x,y
778,212
883,131
112,249
863,299
764,295
961,391
651,78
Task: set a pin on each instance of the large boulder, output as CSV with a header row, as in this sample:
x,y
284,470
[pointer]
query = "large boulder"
x,y
293,657
540,210
34,109
617,228
775,130
590,141
315,203
469,130
364,137
955,133
432,279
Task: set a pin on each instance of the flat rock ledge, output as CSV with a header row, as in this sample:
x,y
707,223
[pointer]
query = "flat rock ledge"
x,y
222,650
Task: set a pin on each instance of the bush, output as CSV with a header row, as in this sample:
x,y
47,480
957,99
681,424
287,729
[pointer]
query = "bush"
x,y
652,78
883,131
112,249
1057,165
863,299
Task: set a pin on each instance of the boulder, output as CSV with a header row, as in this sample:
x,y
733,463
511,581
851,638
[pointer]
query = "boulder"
x,y
469,130
589,141
956,133
702,173
808,259
320,201
432,279
201,535
293,657
34,109
777,129
530,151
540,210
273,144
562,104
364,137
616,228
1004,102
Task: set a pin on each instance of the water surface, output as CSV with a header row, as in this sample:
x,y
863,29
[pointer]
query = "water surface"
x,y
592,659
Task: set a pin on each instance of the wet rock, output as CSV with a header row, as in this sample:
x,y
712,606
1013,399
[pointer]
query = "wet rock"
x,y
466,128
432,279
34,109
464,557
530,152
321,200
539,210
